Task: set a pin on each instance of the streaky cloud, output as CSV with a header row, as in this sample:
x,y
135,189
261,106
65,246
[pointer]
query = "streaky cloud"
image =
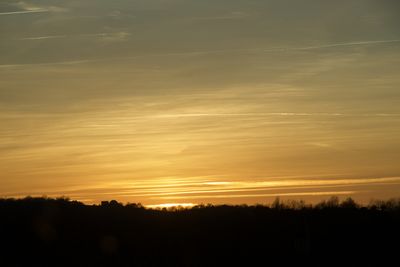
x,y
284,114
295,194
24,12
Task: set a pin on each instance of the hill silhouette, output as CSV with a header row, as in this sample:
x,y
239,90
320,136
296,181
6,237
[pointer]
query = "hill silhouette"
x,y
60,232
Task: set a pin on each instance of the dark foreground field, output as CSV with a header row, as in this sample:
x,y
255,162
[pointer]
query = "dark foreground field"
x,y
48,232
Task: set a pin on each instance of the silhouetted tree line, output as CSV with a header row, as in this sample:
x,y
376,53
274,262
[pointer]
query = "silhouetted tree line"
x,y
61,232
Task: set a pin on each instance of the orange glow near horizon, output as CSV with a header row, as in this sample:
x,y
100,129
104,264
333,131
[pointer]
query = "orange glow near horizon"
x,y
171,205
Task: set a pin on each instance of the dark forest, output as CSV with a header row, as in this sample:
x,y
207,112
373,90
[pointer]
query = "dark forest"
x,y
60,232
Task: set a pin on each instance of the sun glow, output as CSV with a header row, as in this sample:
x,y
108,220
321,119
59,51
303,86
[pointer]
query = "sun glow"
x,y
171,205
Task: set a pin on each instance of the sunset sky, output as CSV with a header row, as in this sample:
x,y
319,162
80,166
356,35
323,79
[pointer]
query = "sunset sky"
x,y
200,101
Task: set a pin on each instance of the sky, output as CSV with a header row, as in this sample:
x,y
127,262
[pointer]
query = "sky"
x,y
200,101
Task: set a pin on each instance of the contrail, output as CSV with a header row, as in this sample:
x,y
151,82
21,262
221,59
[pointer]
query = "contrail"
x,y
72,62
24,12
340,44
44,37
189,53
101,34
279,49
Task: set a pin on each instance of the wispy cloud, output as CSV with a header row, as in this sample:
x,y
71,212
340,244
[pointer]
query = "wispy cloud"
x,y
112,37
28,8
229,16
31,7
